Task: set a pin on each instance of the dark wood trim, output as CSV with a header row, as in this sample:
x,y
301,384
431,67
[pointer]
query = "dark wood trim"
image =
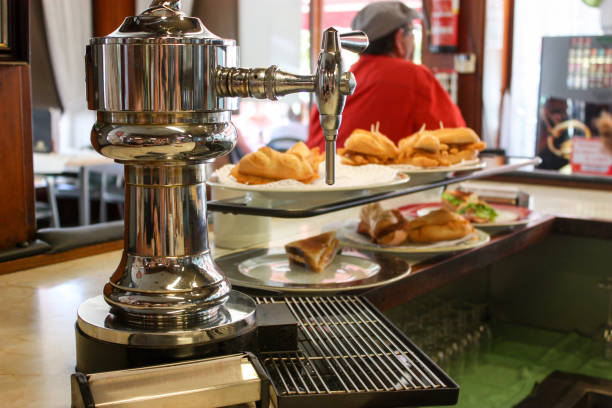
x,y
17,216
472,15
471,40
18,32
220,17
109,14
437,272
507,45
49,259
507,49
27,165
583,227
316,30
559,181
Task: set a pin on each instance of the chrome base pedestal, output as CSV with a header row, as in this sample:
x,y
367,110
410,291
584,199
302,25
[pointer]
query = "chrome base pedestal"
x,y
105,343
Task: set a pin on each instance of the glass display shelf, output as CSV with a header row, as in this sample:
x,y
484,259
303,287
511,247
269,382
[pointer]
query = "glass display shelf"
x,y
305,204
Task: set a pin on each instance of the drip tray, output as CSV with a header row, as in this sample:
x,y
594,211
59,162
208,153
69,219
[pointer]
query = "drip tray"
x,y
350,354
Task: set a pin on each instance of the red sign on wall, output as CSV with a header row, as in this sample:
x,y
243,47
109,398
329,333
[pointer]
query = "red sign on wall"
x,y
445,24
590,157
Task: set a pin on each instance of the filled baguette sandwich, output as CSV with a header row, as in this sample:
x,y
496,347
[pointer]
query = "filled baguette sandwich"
x,y
368,147
314,253
385,227
440,147
439,225
469,205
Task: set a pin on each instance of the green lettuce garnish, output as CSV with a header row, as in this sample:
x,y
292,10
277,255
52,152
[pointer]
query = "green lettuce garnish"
x,y
451,199
480,210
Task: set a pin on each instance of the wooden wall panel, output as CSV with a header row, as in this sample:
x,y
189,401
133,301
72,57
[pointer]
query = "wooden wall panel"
x,y
471,40
220,17
17,219
109,14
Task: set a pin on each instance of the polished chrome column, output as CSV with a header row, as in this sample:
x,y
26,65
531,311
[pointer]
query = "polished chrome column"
x,y
167,276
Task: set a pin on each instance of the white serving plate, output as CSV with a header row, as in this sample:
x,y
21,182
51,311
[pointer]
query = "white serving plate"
x,y
349,236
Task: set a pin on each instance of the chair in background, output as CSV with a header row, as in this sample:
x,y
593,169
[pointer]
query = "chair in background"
x,y
105,183
67,186
282,144
48,209
112,190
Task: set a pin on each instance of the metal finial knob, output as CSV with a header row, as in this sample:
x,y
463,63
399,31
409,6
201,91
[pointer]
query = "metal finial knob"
x,y
175,4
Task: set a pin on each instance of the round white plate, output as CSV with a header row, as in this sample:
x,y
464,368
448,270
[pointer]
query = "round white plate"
x,y
277,268
269,269
309,188
349,236
349,180
468,165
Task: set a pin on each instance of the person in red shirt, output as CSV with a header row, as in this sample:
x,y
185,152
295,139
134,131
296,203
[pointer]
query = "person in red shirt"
x,y
391,89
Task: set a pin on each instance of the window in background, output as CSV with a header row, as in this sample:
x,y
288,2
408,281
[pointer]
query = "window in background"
x,y
266,39
492,71
532,21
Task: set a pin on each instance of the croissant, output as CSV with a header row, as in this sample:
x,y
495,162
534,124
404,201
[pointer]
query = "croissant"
x,y
267,165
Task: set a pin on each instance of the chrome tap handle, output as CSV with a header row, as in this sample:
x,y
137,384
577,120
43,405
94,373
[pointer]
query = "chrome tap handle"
x,y
355,41
164,7
175,4
332,85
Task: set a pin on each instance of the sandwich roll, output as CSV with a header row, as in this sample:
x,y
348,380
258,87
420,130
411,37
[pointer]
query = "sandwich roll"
x,y
439,225
393,238
428,142
462,135
268,164
439,148
314,253
382,226
373,144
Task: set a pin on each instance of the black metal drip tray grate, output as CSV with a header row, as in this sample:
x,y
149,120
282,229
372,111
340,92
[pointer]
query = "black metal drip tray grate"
x,y
350,353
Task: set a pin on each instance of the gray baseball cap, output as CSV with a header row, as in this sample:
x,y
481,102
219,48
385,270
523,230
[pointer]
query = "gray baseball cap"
x,y
383,17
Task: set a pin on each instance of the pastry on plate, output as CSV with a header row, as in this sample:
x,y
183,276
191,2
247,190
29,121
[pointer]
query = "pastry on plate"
x,y
267,165
469,205
313,156
368,147
314,253
439,148
436,226
382,226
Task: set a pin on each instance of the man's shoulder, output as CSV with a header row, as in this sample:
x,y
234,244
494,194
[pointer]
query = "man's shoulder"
x,y
397,67
410,67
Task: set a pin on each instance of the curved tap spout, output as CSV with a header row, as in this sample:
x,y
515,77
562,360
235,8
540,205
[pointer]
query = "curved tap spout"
x,y
332,87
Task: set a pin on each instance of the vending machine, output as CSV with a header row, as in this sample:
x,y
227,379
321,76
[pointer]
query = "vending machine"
x,y
574,131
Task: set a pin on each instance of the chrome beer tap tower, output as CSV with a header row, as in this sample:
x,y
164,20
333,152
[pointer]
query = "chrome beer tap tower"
x,y
164,88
